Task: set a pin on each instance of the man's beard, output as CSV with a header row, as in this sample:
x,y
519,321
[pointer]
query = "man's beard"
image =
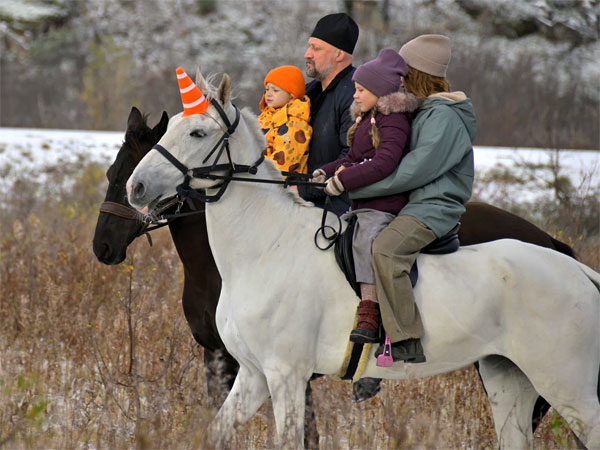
x,y
321,74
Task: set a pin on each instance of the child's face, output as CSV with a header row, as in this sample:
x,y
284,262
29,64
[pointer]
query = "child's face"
x,y
275,96
364,98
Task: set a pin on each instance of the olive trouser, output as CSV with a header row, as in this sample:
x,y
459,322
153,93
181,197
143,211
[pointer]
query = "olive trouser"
x,y
394,252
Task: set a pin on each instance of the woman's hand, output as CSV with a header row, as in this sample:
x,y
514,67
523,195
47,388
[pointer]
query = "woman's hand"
x,y
339,169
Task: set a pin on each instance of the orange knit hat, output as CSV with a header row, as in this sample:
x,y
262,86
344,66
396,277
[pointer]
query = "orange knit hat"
x,y
288,78
194,101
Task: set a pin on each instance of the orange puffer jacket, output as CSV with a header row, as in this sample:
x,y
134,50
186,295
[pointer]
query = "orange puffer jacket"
x,y
288,134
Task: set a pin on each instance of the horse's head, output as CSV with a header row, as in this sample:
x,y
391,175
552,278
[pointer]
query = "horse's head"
x,y
117,226
195,138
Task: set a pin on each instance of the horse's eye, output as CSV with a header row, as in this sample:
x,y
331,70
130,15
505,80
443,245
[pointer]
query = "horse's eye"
x,y
198,133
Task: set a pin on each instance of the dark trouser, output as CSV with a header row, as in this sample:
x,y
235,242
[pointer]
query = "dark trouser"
x,y
394,252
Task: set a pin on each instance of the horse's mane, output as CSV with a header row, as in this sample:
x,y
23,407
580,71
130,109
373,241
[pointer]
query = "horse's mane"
x,y
209,86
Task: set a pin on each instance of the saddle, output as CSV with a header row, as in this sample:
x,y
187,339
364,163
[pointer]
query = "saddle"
x,y
448,243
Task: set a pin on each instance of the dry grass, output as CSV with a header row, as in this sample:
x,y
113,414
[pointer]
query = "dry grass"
x,y
101,357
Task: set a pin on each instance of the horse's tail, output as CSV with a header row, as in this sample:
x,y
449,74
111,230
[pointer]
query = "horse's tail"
x,y
563,248
594,278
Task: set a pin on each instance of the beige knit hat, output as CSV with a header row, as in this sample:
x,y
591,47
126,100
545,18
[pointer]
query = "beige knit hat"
x,y
429,53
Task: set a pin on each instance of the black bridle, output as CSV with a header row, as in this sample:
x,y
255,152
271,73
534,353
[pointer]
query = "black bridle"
x,y
186,193
184,190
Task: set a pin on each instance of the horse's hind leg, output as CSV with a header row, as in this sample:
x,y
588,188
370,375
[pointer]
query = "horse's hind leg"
x,y
512,399
579,405
248,393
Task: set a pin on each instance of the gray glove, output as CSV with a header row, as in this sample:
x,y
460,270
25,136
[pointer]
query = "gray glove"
x,y
318,176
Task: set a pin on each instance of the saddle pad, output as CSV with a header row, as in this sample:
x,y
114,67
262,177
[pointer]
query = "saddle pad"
x,y
355,359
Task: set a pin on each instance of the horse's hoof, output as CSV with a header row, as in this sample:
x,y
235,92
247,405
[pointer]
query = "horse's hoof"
x,y
365,388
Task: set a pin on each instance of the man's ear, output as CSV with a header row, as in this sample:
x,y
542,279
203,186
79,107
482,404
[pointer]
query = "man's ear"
x,y
339,56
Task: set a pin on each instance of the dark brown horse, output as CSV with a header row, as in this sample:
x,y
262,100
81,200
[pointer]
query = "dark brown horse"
x,y
115,230
117,227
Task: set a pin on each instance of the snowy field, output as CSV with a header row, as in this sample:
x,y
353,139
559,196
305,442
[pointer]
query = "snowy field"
x,y
22,150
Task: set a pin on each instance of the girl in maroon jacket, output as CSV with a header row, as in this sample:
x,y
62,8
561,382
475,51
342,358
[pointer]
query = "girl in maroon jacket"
x,y
379,138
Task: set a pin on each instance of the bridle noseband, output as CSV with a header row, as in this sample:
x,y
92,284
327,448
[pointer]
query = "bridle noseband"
x,y
149,222
184,190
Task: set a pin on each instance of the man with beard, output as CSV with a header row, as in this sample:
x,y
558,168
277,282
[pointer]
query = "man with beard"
x,y
329,63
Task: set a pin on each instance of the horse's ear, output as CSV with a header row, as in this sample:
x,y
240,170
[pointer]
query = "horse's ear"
x,y
201,82
161,127
224,93
135,120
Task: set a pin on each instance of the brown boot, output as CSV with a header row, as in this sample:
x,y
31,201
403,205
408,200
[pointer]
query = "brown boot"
x,y
367,330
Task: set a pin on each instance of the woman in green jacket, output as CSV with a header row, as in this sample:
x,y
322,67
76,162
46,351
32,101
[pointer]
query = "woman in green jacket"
x,y
438,173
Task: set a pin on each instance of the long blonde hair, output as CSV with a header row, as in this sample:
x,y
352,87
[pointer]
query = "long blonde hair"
x,y
423,85
374,130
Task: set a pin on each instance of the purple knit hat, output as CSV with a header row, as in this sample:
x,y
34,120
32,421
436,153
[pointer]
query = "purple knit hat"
x,y
382,75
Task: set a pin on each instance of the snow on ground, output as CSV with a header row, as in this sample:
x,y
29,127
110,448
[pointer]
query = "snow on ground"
x,y
25,148
22,150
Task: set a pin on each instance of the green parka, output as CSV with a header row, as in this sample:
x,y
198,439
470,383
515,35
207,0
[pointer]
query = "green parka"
x,y
438,171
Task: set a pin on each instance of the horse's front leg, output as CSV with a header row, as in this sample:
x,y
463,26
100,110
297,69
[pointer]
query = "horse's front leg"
x,y
220,369
247,395
288,396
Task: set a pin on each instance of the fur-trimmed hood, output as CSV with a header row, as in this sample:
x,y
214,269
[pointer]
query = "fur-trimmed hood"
x,y
392,103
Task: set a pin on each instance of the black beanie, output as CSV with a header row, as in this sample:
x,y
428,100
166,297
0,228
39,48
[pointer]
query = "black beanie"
x,y
338,30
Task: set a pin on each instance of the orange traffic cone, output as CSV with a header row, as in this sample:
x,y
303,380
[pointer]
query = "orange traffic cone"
x,y
194,101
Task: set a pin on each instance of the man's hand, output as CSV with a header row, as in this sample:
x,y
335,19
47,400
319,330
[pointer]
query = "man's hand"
x,y
318,176
334,187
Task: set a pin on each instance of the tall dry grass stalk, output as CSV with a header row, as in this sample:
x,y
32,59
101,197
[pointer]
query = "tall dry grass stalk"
x,y
101,357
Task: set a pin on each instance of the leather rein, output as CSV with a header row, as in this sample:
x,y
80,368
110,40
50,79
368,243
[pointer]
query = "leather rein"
x,y
149,222
186,193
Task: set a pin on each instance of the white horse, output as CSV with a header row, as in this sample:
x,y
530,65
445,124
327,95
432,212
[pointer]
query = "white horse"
x,y
529,315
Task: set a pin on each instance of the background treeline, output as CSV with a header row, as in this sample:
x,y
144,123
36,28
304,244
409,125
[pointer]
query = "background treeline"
x,y
530,67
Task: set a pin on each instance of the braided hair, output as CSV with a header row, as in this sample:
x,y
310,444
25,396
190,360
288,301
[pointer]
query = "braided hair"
x,y
374,130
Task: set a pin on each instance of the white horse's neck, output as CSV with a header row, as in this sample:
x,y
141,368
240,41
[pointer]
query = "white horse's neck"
x,y
252,219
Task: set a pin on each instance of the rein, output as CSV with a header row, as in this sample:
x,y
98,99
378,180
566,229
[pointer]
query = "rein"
x,y
186,193
150,222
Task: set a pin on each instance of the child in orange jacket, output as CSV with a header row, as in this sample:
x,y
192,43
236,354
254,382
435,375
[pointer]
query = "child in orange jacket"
x,y
285,119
